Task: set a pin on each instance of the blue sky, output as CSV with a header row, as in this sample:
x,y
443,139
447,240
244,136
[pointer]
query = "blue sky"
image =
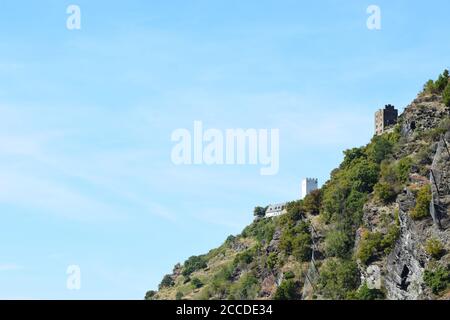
x,y
86,117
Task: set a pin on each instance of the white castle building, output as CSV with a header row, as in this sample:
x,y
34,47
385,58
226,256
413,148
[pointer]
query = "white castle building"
x,y
274,210
308,185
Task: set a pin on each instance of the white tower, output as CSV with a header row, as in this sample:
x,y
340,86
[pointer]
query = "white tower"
x,y
308,185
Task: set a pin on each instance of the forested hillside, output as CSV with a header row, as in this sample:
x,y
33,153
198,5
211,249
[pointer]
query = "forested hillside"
x,y
377,229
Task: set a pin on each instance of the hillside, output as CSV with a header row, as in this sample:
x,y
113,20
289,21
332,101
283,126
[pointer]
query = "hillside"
x,y
377,229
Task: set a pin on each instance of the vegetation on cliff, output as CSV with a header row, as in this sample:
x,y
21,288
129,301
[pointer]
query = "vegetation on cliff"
x,y
351,223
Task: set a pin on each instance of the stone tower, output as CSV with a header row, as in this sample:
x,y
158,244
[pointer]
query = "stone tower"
x,y
385,118
308,185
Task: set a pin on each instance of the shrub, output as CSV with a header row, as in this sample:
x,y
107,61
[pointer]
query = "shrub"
x,y
150,294
286,240
193,264
438,85
429,87
365,293
261,230
259,212
196,283
178,295
393,177
363,175
166,282
446,95
390,238
245,257
422,208
313,201
337,244
434,248
384,192
287,290
338,278
296,241
423,156
369,245
247,287
272,260
442,81
288,275
334,194
353,207
295,212
351,155
403,169
301,247
230,239
437,279
221,282
379,148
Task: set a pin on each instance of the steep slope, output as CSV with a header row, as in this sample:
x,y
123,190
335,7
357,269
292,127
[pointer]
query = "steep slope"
x,y
378,229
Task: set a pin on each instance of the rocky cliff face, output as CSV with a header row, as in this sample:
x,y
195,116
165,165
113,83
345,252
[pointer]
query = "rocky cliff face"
x,y
403,269
405,265
388,238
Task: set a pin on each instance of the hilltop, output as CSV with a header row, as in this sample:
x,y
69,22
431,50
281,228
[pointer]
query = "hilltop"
x,y
377,229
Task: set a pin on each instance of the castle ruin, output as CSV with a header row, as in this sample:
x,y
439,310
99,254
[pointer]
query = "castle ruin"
x,y
385,118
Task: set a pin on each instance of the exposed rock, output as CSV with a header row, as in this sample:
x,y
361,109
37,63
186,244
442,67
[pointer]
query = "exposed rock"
x,y
273,245
396,243
238,246
372,277
268,286
177,270
405,264
423,113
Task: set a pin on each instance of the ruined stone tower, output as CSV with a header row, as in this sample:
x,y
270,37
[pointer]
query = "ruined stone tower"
x,y
385,118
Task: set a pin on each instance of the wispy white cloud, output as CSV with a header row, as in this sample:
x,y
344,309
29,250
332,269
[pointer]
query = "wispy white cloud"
x,y
222,217
36,174
10,267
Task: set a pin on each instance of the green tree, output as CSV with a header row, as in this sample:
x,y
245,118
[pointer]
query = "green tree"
x,y
193,264
338,278
272,260
365,293
385,192
364,175
287,290
296,241
288,275
403,169
446,95
295,212
179,295
351,155
247,287
442,81
369,245
313,201
149,295
437,279
422,208
334,195
337,244
429,87
434,248
379,148
353,207
196,283
259,212
301,247
166,282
